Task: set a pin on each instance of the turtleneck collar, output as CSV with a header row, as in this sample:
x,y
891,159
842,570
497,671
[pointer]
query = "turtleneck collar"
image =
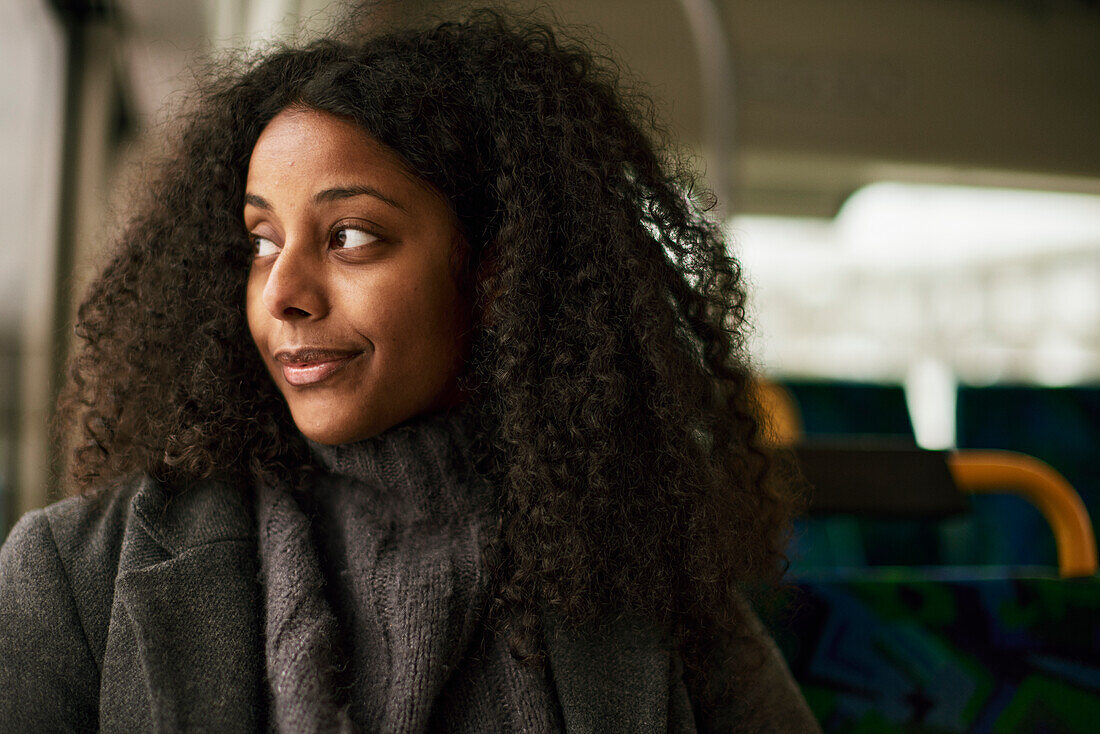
x,y
421,466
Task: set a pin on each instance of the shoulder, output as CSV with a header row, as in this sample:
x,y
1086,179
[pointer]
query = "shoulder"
x,y
91,532
78,544
760,695
86,532
57,570
78,526
67,554
82,533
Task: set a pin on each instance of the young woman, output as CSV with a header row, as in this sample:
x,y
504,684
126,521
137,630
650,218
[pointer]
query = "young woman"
x,y
413,400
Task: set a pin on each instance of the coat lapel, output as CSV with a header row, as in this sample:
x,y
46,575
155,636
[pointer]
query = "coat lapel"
x,y
184,644
615,678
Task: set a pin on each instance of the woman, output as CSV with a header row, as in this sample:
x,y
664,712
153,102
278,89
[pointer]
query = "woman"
x,y
413,400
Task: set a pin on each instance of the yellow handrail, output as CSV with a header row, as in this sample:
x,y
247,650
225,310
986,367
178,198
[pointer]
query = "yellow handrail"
x,y
997,471
782,418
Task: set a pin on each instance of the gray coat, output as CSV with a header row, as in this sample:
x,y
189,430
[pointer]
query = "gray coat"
x,y
144,613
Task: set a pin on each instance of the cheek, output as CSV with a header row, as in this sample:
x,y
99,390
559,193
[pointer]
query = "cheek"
x,y
444,312
255,312
425,325
408,302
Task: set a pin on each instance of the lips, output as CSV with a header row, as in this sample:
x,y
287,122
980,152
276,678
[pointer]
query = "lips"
x,y
304,366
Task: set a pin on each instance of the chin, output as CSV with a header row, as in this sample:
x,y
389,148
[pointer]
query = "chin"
x,y
324,430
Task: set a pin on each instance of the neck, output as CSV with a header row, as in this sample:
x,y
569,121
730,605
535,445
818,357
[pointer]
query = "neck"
x,y
420,467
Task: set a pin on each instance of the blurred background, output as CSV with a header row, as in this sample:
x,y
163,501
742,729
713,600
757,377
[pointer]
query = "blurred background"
x,y
913,187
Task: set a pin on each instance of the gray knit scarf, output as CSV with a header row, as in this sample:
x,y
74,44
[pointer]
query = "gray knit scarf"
x,y
376,593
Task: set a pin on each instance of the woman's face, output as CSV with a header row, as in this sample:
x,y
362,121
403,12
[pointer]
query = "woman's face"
x,y
352,299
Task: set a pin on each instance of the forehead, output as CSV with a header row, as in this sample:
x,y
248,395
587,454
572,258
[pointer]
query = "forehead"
x,y
317,148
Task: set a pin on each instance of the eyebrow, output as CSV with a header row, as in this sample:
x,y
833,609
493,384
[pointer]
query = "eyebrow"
x,y
330,195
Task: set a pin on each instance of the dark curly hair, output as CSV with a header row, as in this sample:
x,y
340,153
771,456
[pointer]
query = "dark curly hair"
x,y
611,395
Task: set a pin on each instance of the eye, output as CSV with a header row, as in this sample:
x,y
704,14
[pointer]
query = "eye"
x,y
348,238
262,246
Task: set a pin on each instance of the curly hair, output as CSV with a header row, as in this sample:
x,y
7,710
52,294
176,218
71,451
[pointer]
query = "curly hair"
x,y
611,393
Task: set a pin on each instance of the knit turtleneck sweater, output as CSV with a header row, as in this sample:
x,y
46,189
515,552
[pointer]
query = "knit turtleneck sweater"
x,y
376,594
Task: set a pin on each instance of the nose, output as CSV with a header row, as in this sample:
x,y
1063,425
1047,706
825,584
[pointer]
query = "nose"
x,y
296,286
